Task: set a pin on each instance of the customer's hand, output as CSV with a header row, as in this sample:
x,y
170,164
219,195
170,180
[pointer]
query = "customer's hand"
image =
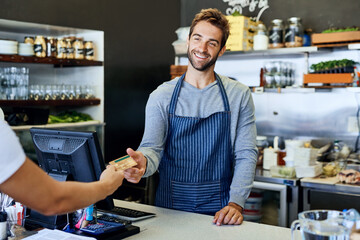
x,y
112,178
231,215
134,174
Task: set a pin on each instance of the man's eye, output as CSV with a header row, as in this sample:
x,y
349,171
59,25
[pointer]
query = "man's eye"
x,y
213,44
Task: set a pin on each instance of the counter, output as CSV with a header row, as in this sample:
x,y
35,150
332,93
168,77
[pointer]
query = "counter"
x,y
172,224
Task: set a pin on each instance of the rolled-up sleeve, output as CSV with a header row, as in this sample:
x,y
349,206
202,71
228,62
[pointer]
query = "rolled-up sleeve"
x,y
245,152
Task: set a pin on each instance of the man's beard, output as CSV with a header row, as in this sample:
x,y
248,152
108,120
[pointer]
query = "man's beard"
x,y
206,65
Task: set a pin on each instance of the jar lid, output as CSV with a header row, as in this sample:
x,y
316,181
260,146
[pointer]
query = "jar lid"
x,y
294,19
277,21
3,216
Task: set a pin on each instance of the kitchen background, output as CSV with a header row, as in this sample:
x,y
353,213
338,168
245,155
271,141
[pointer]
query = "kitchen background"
x,y
138,55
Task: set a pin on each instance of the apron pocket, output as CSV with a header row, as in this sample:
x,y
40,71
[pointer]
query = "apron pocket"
x,y
196,197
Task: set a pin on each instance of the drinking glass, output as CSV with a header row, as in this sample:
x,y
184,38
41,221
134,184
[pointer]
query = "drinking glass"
x,y
63,92
12,83
70,92
55,92
48,92
36,92
3,84
77,92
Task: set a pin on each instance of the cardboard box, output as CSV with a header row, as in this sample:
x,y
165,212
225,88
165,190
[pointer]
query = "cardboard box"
x,y
242,30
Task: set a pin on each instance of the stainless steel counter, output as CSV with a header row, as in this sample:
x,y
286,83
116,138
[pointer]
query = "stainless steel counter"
x,y
289,194
319,194
338,187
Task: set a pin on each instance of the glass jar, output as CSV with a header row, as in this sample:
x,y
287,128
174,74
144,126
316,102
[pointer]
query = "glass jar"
x,y
50,47
40,46
69,48
276,34
261,144
78,48
294,33
261,40
29,39
89,50
60,48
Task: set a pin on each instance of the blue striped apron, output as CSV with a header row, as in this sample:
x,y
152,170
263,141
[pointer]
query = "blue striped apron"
x,y
196,168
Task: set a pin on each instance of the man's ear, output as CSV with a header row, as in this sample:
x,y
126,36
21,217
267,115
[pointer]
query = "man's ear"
x,y
222,50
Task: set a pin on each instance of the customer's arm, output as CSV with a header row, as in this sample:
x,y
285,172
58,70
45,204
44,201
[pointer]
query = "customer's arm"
x,y
31,186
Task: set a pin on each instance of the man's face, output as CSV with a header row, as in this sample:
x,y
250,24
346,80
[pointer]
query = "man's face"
x,y
204,46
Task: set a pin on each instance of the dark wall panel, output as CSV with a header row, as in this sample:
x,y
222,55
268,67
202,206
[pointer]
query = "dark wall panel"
x,y
138,53
316,14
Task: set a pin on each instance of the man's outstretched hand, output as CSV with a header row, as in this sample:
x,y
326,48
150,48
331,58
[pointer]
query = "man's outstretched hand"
x,y
134,174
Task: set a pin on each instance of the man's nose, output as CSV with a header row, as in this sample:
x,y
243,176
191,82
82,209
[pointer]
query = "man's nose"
x,y
203,46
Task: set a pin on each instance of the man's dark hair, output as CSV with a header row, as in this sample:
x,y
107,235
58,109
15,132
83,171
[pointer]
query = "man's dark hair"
x,y
216,18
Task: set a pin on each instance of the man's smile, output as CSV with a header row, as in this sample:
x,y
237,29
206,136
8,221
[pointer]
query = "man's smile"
x,y
201,56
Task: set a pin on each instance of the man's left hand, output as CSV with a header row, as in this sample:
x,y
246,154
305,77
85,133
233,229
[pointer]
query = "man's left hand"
x,y
231,215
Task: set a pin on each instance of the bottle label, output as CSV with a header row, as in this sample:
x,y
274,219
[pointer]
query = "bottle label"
x,y
79,51
276,36
89,52
290,35
70,50
38,48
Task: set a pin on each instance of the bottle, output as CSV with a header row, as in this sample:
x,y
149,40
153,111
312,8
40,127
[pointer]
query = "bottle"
x,y
78,48
60,48
261,40
276,34
50,47
40,46
294,33
89,50
356,78
261,144
69,48
336,149
29,39
307,37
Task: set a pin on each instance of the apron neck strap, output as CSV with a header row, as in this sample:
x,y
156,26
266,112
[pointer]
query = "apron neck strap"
x,y
176,94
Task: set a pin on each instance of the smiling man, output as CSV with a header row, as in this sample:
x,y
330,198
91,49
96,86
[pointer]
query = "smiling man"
x,y
200,132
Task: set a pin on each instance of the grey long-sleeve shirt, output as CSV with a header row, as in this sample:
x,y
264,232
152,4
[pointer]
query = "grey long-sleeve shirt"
x,y
194,102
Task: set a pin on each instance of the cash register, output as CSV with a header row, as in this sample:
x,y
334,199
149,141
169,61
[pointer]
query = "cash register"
x,y
76,155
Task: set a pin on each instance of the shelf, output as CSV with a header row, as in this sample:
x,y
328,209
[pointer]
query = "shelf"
x,y
58,125
33,103
277,51
46,60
